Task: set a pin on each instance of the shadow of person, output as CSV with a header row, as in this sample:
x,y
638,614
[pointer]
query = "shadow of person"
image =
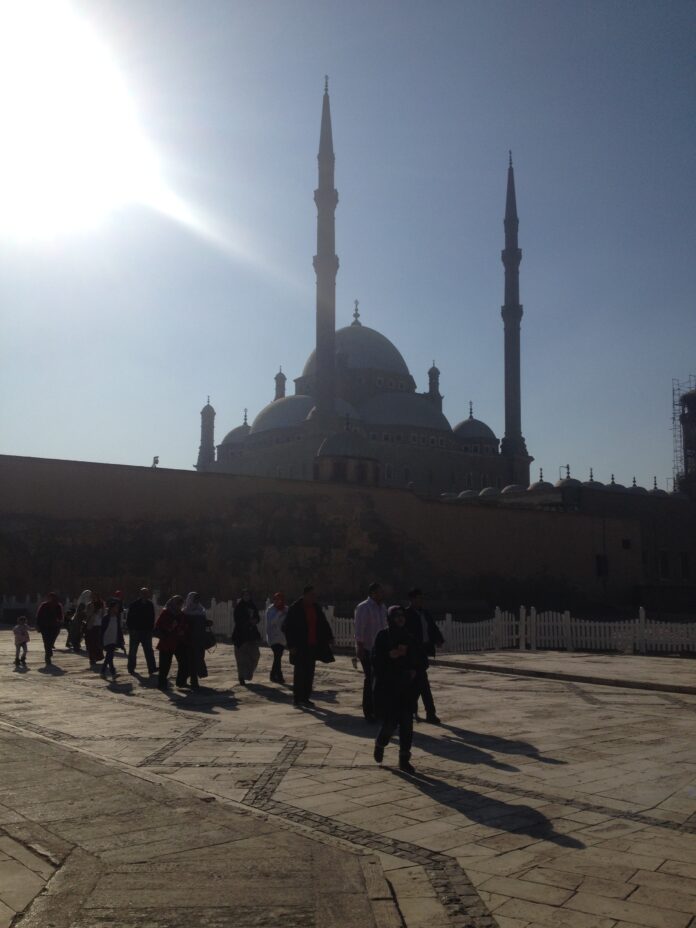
x,y
499,745
204,700
123,688
486,810
346,723
51,670
268,692
456,749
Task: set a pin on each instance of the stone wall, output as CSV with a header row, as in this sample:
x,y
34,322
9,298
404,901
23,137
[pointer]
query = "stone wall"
x,y
68,525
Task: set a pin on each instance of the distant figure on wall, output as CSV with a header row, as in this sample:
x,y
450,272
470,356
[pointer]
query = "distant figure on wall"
x,y
396,661
246,637
275,616
428,636
49,619
309,639
141,621
370,618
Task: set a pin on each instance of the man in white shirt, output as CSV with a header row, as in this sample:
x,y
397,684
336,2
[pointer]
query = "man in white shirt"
x,y
370,618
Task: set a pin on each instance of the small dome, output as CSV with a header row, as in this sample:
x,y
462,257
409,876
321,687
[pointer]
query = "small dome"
x,y
346,444
404,409
615,487
490,491
655,490
513,488
236,436
468,494
567,481
473,429
592,483
283,413
363,347
540,484
635,489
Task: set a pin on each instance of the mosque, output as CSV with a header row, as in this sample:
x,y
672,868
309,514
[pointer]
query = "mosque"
x,y
356,415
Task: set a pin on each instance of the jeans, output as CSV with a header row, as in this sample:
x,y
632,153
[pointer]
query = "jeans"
x,y
136,638
21,649
399,714
303,677
367,698
276,669
49,639
109,650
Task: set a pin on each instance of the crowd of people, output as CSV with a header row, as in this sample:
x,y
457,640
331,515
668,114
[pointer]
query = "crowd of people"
x,y
393,647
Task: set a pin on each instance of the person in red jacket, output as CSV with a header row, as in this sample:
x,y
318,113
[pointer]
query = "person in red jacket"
x,y
49,620
169,628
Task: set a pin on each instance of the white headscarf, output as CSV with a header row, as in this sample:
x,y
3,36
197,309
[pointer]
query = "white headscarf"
x,y
84,598
193,608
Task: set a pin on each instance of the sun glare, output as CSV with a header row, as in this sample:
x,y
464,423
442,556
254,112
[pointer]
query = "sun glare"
x,y
71,147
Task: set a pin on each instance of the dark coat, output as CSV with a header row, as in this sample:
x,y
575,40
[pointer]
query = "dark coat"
x,y
415,627
394,678
246,623
295,627
170,628
141,616
49,616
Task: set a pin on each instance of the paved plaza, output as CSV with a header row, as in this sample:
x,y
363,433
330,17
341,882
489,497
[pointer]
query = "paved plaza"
x,y
538,802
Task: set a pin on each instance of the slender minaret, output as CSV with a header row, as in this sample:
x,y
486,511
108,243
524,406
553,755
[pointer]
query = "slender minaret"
x,y
513,444
280,379
433,393
206,449
326,268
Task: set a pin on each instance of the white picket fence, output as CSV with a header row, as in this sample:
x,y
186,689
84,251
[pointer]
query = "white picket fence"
x,y
522,630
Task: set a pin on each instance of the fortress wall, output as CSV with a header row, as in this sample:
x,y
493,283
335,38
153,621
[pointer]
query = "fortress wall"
x,y
69,525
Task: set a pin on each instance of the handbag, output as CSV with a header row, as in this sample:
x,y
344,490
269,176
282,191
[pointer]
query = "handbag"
x,y
325,654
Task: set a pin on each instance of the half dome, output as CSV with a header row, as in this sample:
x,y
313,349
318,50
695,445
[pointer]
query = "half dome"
x,y
473,430
283,413
404,409
236,436
363,347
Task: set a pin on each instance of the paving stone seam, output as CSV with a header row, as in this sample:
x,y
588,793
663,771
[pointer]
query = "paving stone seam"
x,y
175,744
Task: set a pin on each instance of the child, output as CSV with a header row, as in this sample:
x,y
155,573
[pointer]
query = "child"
x,y
21,637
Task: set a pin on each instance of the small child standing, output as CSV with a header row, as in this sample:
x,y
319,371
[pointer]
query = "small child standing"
x,y
21,637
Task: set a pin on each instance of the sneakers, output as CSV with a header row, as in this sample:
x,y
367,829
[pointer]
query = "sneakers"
x,y
378,753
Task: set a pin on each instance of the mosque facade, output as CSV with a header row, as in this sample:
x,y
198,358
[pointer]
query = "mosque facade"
x,y
356,415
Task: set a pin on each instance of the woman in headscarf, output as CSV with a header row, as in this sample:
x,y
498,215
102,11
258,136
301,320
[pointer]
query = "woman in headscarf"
x,y
396,660
76,629
246,637
112,636
191,652
275,616
169,628
94,610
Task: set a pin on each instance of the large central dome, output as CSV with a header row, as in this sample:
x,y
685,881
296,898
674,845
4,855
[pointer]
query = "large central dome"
x,y
365,348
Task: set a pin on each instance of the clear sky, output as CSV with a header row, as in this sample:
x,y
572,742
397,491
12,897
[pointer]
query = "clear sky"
x,y
115,330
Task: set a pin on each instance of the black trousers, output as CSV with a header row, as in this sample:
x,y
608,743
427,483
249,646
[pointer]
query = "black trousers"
x,y
190,659
165,664
398,714
303,677
49,636
136,639
277,669
368,706
425,693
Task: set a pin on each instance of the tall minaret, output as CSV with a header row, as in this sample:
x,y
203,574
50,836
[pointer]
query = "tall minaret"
x,y
513,444
206,450
326,267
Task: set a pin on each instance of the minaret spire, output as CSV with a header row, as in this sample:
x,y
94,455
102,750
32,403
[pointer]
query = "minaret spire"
x,y
513,444
206,449
326,266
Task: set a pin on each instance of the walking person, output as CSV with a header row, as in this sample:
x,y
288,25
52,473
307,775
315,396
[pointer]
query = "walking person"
x,y
140,621
169,628
21,640
275,616
428,636
191,652
112,636
370,618
308,635
396,660
68,617
94,611
49,618
76,629
246,637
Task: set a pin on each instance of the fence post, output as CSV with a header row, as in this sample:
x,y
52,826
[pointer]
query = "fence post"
x,y
640,642
523,629
449,643
567,632
532,628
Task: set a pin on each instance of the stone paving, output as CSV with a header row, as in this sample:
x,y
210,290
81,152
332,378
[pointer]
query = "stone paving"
x,y
537,803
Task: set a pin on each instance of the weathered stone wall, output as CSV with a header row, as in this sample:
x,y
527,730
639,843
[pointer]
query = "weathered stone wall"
x,y
68,525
